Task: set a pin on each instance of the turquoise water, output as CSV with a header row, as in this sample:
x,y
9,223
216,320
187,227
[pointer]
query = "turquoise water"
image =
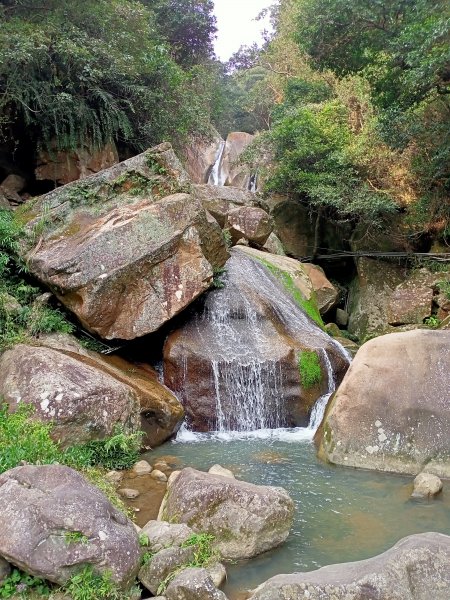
x,y
342,514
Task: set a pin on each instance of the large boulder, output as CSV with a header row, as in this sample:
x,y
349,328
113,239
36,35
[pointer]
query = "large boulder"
x,y
53,522
327,295
392,410
126,249
416,568
63,167
219,201
87,395
245,519
370,295
250,223
238,363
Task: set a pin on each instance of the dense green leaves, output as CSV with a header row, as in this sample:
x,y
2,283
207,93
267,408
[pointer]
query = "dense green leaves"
x,y
90,71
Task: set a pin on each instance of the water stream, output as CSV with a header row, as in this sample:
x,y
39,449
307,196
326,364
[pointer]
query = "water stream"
x,y
216,175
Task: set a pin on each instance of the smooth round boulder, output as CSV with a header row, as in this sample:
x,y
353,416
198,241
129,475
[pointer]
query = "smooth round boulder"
x,y
53,522
416,568
245,519
392,410
426,485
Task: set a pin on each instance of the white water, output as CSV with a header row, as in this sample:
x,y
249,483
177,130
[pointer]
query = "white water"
x,y
247,376
216,175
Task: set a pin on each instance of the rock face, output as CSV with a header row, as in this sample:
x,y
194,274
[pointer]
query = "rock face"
x,y
125,250
5,569
412,301
249,223
245,519
200,156
416,568
232,173
64,167
86,395
236,365
53,522
392,410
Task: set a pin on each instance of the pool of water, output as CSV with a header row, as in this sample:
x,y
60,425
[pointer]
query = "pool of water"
x,y
342,514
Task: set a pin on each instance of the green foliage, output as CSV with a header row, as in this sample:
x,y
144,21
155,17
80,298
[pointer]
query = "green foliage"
x,y
432,322
75,537
90,585
188,25
20,584
23,438
444,288
84,74
310,369
204,553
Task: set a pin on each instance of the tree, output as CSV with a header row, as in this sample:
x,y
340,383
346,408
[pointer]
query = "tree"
x,y
188,25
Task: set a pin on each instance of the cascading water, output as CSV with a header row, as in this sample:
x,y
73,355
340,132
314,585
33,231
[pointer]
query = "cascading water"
x,y
216,175
248,377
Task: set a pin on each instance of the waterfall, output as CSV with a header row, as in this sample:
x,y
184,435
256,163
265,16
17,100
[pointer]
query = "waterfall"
x,y
216,175
246,371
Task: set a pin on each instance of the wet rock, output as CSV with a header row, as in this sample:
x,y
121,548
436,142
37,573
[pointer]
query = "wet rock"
x,y
252,224
392,410
65,166
43,505
5,569
251,333
165,562
162,534
126,249
193,584
220,201
218,470
200,156
142,468
129,493
83,403
158,475
417,567
426,485
326,294
245,519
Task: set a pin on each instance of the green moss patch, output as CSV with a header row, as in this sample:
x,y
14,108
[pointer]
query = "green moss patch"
x,y
310,369
309,306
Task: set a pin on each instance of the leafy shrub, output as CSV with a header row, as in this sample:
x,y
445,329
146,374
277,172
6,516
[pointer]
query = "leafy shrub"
x,y
20,584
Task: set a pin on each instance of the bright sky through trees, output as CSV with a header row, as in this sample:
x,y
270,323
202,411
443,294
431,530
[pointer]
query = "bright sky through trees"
x,y
236,24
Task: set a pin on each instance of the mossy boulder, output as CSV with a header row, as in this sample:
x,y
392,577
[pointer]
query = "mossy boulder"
x,y
125,249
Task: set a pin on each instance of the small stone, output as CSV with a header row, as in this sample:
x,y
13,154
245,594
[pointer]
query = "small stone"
x,y
218,574
158,476
161,465
129,493
142,468
341,317
426,485
218,470
114,477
